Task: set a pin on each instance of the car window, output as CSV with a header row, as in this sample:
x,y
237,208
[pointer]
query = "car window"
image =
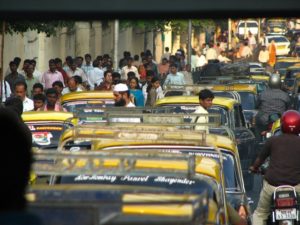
x,y
80,105
247,100
45,135
191,109
177,184
229,165
239,119
249,24
277,39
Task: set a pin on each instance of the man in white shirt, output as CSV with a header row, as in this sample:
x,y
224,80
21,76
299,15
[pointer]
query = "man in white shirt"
x,y
211,53
246,52
129,68
263,56
222,58
205,102
72,86
20,91
74,70
95,76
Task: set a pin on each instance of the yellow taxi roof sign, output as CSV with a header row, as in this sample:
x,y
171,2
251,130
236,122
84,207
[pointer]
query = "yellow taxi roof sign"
x,y
46,116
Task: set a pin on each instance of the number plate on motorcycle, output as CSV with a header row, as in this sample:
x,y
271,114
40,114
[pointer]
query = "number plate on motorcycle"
x,y
286,214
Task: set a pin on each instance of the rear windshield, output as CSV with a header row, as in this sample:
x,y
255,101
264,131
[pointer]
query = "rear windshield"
x,y
278,39
45,135
247,100
249,24
176,184
80,105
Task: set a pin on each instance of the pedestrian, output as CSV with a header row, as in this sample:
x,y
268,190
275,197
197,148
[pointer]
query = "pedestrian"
x,y
73,86
17,165
38,101
30,80
122,96
58,64
77,71
52,75
95,76
205,102
20,91
174,77
129,68
106,84
14,76
87,66
52,104
263,56
136,93
154,92
37,88
272,53
59,87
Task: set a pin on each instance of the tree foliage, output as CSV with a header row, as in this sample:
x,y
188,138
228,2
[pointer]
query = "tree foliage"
x,y
177,26
147,25
49,28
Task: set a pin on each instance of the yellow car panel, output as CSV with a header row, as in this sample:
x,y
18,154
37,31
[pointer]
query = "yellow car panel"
x,y
222,101
92,95
46,116
236,87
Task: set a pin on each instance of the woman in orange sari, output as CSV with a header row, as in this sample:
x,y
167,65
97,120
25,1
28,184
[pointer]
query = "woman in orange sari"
x,y
272,53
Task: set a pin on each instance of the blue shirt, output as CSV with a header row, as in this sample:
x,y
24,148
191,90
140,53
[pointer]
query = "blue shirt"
x,y
138,96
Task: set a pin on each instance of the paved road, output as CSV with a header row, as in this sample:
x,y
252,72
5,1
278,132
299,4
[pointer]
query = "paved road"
x,y
254,193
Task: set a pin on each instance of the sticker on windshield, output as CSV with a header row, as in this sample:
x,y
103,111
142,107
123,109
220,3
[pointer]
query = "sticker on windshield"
x,y
135,179
42,138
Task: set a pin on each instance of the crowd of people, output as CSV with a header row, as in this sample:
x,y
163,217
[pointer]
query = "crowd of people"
x,y
144,77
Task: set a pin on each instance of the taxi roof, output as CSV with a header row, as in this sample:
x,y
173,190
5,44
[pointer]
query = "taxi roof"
x,y
235,87
212,140
46,116
125,163
83,95
288,59
172,136
185,100
294,67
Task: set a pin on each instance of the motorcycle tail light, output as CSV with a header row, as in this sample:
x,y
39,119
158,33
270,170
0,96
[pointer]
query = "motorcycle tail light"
x,y
285,202
242,212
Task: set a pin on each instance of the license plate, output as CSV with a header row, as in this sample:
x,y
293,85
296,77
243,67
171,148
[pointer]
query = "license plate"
x,y
286,214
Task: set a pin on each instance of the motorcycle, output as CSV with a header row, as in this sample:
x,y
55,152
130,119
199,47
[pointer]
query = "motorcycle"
x,y
284,206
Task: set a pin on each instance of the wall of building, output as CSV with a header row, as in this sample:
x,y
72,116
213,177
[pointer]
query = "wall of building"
x,y
86,37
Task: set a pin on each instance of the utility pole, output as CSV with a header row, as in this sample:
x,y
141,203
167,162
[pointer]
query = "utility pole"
x,y
229,34
189,60
116,44
2,60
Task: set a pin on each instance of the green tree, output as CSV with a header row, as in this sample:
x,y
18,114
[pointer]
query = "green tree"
x,y
50,28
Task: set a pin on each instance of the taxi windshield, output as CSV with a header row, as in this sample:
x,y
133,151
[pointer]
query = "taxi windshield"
x,y
45,135
191,108
174,184
247,100
283,65
229,165
80,105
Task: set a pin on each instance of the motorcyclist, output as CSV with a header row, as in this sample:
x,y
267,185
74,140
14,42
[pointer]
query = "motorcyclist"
x,y
273,101
284,167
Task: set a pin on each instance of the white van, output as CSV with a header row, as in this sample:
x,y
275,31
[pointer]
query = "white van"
x,y
251,25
